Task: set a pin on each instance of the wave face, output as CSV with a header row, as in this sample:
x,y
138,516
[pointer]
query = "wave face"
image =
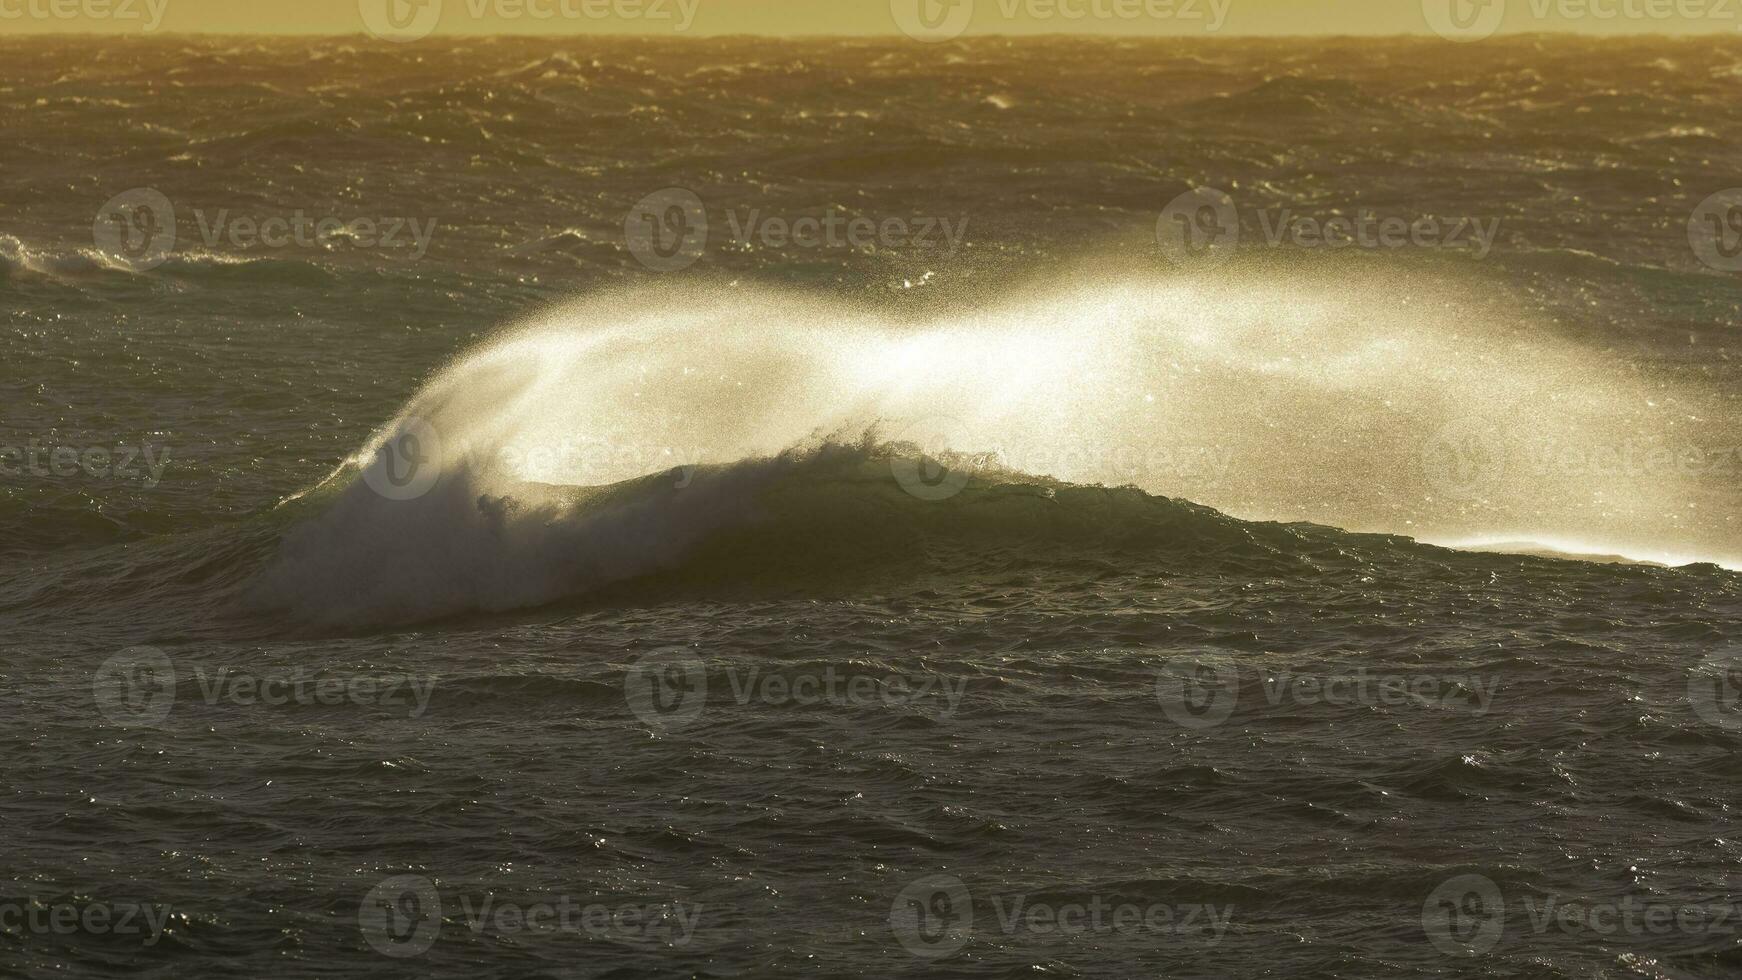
x,y
1291,401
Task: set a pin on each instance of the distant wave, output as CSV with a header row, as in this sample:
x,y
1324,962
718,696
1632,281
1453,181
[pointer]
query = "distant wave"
x,y
19,258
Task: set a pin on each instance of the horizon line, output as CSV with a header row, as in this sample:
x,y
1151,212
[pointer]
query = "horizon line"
x,y
893,36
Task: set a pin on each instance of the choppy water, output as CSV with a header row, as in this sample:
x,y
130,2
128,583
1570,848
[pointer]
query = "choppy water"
x,y
1000,592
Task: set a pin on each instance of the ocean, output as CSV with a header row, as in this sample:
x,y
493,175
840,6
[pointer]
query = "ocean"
x,y
749,507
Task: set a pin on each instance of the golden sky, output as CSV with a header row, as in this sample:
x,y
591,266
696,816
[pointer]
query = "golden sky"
x,y
925,19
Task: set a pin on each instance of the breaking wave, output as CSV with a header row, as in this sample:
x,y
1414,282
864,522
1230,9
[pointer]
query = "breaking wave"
x,y
621,437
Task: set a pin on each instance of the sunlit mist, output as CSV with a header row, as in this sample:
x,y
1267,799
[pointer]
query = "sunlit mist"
x,y
1373,404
